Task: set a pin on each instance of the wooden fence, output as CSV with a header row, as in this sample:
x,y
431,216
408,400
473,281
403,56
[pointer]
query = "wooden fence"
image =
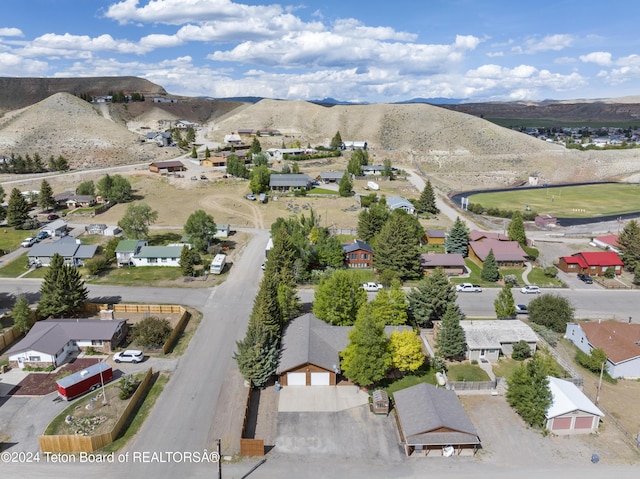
x,y
8,336
249,446
77,443
171,341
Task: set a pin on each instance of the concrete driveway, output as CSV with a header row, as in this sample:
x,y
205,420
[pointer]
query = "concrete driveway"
x,y
333,421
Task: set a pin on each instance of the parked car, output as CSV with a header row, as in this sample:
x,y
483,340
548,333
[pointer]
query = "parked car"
x,y
52,217
203,177
194,178
530,290
585,278
42,235
372,287
251,197
522,309
28,242
263,266
129,356
468,288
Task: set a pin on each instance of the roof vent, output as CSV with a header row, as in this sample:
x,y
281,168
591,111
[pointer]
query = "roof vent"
x,y
84,372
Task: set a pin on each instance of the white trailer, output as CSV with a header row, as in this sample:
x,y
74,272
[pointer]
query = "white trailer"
x,y
217,264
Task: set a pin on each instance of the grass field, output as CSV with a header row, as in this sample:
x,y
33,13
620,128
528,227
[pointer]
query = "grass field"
x,y
567,201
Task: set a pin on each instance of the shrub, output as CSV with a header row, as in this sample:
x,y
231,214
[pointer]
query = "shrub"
x,y
96,265
128,385
474,362
437,363
610,273
550,271
152,332
511,280
521,351
532,253
545,333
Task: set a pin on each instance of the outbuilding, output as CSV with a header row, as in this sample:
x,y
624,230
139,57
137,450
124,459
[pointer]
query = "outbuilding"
x,y
571,412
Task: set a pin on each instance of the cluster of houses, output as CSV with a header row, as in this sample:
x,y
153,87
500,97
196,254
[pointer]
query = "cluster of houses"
x,y
586,136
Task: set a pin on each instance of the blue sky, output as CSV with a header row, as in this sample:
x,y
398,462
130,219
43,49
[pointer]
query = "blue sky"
x,y
351,50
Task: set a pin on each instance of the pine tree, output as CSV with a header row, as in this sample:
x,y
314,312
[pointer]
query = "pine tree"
x,y
46,201
266,310
186,262
429,300
17,210
22,315
629,241
288,298
396,247
257,356
528,392
450,340
427,201
336,141
490,271
367,357
63,292
457,240
504,304
207,152
344,187
194,152
516,229
371,221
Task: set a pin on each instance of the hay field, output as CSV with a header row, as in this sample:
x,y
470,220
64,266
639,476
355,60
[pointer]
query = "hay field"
x,y
583,201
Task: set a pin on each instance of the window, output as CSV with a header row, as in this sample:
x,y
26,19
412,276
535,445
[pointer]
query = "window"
x,y
164,260
96,342
34,359
152,260
364,256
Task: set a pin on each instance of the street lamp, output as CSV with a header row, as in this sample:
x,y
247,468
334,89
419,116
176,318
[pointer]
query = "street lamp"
x,y
104,394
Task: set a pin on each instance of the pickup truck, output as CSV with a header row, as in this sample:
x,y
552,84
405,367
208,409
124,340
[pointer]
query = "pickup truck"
x,y
28,242
468,288
372,287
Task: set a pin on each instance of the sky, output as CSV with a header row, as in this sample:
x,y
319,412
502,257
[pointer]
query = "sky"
x,y
376,51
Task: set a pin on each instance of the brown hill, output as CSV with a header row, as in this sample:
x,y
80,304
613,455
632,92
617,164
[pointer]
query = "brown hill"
x,y
17,93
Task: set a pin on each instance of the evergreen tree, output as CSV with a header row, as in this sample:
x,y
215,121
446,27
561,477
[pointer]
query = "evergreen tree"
x,y
427,201
266,308
207,152
528,392
283,254
367,358
504,304
17,210
396,247
429,300
450,339
457,240
406,351
46,201
371,221
257,355
62,290
354,166
338,298
388,169
186,262
194,152
490,271
38,166
201,229
328,250
344,188
23,317
191,135
336,141
516,231
295,168
2,194
288,299
255,147
629,241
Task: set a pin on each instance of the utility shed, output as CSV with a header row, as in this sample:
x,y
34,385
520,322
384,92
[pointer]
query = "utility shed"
x,y
571,412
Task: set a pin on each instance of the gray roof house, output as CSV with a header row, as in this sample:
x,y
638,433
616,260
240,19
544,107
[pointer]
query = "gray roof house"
x,y
398,202
432,420
286,182
310,351
489,339
51,341
55,228
73,252
331,176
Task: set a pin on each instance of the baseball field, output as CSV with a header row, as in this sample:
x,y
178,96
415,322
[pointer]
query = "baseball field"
x,y
584,201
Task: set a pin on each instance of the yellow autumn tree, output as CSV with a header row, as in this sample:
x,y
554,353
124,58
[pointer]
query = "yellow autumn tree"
x,y
406,351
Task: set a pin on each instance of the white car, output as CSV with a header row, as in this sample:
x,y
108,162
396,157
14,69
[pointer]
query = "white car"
x,y
129,356
372,287
468,288
530,290
28,242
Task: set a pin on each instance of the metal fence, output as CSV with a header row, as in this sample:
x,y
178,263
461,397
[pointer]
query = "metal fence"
x,y
576,378
472,385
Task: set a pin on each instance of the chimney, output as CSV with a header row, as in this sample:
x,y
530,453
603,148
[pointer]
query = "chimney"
x,y
106,314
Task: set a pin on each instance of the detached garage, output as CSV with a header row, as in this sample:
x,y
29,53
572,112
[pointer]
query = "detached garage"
x,y
571,412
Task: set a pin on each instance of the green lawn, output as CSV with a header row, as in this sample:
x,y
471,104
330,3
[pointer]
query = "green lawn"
x,y
15,268
10,239
567,201
466,372
537,277
505,367
423,375
132,276
322,191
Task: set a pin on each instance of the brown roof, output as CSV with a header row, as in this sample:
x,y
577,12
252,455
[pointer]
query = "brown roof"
x,y
434,260
502,250
618,340
475,235
168,164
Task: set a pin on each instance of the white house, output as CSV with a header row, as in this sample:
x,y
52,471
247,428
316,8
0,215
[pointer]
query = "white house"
x,y
489,339
126,249
570,412
55,228
51,341
620,342
157,256
398,202
232,139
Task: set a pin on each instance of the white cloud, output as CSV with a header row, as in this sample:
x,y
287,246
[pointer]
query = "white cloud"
x,y
495,54
15,65
550,42
11,32
599,58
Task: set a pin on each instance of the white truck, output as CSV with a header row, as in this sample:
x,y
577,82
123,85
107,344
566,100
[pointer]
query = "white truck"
x,y
372,287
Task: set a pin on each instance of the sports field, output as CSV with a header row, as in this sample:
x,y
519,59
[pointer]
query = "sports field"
x,y
585,201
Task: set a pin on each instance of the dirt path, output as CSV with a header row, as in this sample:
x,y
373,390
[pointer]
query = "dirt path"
x,y
235,209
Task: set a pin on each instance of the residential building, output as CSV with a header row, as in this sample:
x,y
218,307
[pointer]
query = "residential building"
x,y
452,263
157,256
358,254
126,249
607,242
435,236
72,251
287,182
57,228
166,167
593,263
398,202
619,341
50,342
432,421
507,253
492,338
331,176
570,412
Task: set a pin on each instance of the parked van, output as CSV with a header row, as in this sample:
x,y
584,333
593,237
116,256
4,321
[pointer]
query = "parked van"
x,y
217,265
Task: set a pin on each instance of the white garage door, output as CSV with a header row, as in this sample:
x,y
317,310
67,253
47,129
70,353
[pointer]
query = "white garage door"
x,y
296,379
319,379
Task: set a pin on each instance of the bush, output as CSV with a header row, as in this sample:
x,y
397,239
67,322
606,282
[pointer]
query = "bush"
x,y
152,332
438,364
545,333
511,280
128,385
610,273
532,253
96,265
550,271
521,351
